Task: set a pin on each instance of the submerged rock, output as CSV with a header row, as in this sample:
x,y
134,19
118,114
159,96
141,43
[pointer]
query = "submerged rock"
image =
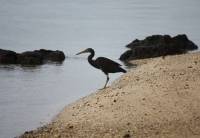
x,y
30,57
8,57
36,57
126,55
51,55
158,45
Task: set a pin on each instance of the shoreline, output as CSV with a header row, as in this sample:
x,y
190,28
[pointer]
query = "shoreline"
x,y
159,98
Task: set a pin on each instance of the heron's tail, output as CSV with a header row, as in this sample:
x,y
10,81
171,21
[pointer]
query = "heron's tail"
x,y
123,70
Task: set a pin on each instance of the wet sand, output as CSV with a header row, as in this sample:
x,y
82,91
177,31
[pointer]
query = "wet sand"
x,y
160,98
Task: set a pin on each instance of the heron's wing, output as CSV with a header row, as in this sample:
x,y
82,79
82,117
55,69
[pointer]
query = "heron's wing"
x,y
105,61
107,65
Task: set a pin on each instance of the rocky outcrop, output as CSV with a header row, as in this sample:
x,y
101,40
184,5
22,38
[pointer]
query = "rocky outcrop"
x,y
8,57
158,45
51,55
36,57
30,57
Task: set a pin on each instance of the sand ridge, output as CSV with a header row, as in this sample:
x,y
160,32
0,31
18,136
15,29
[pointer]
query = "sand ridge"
x,y
160,98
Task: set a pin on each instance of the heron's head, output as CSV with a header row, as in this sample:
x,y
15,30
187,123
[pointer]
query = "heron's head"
x,y
85,51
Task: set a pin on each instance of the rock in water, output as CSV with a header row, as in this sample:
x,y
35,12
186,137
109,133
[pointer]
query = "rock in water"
x,y
8,57
51,55
158,45
30,58
36,57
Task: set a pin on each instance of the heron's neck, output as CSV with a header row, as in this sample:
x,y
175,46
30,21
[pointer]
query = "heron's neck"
x,y
91,61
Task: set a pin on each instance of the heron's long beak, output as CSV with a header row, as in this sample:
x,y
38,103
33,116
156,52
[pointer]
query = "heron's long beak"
x,y
80,53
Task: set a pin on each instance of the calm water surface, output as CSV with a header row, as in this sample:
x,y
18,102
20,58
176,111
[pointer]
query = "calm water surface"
x,y
31,96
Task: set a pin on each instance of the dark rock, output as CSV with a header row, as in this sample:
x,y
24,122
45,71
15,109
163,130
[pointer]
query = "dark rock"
x,y
151,52
156,40
30,58
127,136
126,55
135,43
158,45
183,42
71,127
51,55
8,57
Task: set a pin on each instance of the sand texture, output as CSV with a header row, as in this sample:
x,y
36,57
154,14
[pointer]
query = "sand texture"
x,y
158,99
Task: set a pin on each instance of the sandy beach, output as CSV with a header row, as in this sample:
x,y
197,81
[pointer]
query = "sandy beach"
x,y
159,98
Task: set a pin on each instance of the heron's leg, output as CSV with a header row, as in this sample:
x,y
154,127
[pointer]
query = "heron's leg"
x,y
107,79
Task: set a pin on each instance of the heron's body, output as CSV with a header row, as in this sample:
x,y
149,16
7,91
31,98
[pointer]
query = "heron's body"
x,y
106,65
102,63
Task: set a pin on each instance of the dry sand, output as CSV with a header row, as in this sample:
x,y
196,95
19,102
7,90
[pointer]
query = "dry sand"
x,y
160,98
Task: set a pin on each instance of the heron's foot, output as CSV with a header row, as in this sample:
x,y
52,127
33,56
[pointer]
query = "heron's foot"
x,y
104,88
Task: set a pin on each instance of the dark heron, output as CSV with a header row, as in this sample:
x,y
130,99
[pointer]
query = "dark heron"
x,y
104,64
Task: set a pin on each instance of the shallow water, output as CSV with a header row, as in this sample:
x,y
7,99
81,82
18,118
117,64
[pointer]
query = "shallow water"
x,y
31,96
